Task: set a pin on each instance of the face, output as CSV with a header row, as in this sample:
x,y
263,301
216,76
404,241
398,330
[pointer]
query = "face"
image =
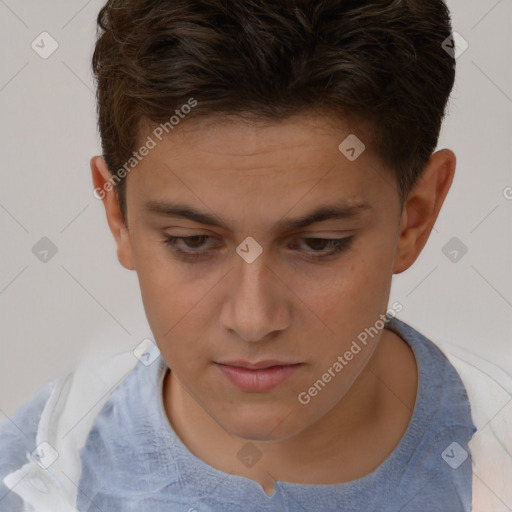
x,y
246,281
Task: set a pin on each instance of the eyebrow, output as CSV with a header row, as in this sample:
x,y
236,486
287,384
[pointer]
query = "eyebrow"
x,y
338,210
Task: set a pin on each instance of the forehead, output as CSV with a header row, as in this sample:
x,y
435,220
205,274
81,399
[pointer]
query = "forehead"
x,y
218,159
248,144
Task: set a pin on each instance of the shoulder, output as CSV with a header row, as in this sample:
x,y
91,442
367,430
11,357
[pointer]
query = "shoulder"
x,y
18,437
61,413
489,390
440,387
18,431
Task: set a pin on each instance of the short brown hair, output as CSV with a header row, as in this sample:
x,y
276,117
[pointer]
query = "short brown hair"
x,y
379,61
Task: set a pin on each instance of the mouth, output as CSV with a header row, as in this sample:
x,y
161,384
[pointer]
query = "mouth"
x,y
257,377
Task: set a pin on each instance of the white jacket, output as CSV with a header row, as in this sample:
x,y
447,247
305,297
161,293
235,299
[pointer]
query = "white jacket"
x,y
77,398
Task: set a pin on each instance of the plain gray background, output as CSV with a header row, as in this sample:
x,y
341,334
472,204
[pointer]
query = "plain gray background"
x,y
81,299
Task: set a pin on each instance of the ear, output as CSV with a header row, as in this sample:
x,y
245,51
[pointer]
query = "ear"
x,y
105,190
422,208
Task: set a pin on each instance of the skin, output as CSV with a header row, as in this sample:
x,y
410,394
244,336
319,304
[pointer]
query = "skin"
x,y
283,305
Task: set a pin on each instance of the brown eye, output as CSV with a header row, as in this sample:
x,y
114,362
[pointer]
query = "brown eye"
x,y
317,244
194,242
192,246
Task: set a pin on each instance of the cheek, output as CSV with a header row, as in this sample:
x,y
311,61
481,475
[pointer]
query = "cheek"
x,y
371,271
172,307
176,300
350,310
353,296
162,285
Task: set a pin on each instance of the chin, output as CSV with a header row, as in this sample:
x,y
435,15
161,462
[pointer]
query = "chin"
x,y
258,425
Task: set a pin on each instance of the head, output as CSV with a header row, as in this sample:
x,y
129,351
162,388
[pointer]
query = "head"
x,y
232,123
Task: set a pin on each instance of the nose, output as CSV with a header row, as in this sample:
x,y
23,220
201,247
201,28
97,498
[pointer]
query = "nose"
x,y
257,305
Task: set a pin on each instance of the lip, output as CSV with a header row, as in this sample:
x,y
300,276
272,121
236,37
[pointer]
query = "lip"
x,y
257,377
260,365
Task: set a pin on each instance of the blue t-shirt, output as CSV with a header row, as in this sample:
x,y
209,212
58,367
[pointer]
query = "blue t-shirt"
x,y
134,461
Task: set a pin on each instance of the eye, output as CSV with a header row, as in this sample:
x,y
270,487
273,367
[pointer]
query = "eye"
x,y
192,242
337,245
192,248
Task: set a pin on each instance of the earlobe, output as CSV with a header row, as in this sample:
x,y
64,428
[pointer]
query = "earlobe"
x,y
422,208
104,190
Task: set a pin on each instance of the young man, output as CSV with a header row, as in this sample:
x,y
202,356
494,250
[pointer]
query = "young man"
x,y
267,167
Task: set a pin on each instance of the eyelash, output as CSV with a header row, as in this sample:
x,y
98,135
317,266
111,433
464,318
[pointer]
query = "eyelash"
x,y
341,244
